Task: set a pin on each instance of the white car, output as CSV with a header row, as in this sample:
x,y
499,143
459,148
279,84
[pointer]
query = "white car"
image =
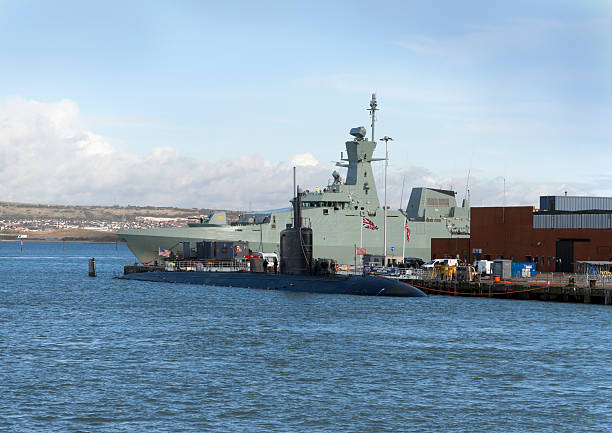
x,y
440,262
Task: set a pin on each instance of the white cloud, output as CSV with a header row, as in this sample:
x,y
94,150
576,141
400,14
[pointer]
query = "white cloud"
x,y
484,190
304,160
47,157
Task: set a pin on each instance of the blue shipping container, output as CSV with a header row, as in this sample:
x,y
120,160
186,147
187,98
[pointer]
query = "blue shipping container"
x,y
523,269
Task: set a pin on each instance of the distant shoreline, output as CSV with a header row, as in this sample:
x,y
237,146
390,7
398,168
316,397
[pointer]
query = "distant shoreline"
x,y
65,235
83,241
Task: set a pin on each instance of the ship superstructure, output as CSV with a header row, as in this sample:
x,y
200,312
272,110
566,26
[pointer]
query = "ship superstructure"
x,y
344,215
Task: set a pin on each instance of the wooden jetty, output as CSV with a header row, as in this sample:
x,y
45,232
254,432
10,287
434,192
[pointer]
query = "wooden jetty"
x,y
533,290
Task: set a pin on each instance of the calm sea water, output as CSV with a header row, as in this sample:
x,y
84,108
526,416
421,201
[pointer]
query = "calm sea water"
x,y
101,354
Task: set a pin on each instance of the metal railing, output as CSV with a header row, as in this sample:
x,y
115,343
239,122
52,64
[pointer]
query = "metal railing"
x,y
565,278
579,280
206,266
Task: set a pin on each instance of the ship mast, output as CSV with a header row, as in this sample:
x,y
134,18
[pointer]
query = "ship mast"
x,y
386,139
373,110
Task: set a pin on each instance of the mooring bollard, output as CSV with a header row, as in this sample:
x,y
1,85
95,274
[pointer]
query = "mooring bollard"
x,y
92,267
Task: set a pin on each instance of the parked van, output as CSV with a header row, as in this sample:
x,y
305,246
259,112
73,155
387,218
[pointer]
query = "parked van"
x,y
440,262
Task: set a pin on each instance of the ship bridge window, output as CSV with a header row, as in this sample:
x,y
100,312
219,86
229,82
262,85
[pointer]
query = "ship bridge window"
x,y
325,211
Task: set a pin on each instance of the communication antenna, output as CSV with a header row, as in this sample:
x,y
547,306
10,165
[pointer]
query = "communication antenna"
x,y
373,109
294,188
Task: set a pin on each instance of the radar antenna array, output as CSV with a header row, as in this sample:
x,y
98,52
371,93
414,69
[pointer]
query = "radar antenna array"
x,y
373,109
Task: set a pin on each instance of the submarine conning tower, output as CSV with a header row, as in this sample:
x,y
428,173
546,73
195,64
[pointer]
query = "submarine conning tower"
x,y
296,244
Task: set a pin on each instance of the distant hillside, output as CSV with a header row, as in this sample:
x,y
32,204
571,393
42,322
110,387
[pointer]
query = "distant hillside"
x,y
66,235
22,211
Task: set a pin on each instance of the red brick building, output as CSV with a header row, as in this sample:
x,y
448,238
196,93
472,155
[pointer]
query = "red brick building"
x,y
509,233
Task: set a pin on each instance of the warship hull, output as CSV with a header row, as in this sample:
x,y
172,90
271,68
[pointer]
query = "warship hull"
x,y
336,234
339,284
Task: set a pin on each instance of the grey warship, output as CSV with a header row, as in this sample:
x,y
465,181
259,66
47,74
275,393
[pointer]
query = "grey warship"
x,y
299,272
344,214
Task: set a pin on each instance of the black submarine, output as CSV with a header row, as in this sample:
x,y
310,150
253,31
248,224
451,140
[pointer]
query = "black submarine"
x,y
298,271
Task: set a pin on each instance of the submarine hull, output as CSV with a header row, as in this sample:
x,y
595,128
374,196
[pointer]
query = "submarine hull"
x,y
339,284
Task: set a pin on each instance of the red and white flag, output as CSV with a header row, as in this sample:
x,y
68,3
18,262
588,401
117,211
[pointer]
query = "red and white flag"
x,y
360,251
407,233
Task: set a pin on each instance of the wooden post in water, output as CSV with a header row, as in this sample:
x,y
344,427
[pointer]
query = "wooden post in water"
x,y
607,296
92,267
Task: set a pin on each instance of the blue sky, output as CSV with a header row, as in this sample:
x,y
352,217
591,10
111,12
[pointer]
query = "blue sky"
x,y
521,90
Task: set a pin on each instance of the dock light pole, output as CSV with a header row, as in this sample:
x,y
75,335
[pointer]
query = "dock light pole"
x,y
386,139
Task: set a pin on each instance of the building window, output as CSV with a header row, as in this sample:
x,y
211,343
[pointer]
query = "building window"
x,y
325,211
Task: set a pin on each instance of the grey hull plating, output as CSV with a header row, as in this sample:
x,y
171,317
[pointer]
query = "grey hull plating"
x,y
349,284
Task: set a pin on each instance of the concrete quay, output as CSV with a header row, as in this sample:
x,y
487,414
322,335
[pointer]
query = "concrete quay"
x,y
532,290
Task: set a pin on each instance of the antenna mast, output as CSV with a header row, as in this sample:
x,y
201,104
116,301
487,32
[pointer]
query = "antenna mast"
x,y
467,186
373,110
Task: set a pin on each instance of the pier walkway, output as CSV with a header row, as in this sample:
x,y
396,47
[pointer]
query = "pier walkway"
x,y
560,287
